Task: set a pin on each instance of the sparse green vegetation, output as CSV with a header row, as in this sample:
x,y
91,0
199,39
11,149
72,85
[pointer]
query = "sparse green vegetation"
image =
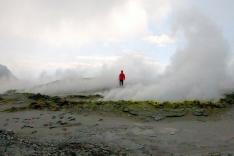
x,y
83,103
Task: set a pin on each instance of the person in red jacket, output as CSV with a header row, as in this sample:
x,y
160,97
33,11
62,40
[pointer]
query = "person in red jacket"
x,y
121,78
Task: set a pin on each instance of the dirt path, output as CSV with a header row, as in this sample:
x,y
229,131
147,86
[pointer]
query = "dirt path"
x,y
178,136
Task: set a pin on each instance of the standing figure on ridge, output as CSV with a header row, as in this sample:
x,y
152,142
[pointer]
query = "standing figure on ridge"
x,y
121,78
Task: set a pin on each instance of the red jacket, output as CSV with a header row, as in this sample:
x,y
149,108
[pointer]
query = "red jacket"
x,y
121,76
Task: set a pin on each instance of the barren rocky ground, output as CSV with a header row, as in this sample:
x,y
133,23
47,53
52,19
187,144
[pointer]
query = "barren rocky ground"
x,y
36,130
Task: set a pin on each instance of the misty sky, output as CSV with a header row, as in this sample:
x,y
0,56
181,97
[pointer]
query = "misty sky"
x,y
46,35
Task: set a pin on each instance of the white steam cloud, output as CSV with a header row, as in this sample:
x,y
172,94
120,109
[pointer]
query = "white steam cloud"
x,y
199,70
137,68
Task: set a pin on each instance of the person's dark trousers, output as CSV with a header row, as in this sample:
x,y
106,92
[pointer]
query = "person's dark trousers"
x,y
120,82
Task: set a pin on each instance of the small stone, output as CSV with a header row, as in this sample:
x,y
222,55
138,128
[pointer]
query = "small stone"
x,y
34,146
71,118
51,127
33,132
199,112
126,109
158,117
132,112
61,122
26,126
46,125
